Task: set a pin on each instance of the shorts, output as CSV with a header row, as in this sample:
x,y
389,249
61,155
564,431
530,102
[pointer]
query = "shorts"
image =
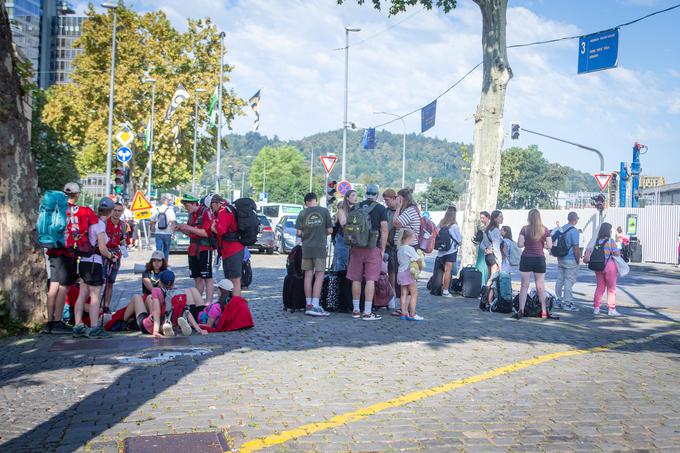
x,y
535,264
490,259
63,270
364,263
145,323
91,273
232,265
201,264
114,271
314,264
450,258
404,278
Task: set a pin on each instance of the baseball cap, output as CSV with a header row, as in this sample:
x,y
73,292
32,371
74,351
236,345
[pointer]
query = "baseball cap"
x,y
225,284
157,255
189,198
106,203
372,191
389,193
71,187
167,277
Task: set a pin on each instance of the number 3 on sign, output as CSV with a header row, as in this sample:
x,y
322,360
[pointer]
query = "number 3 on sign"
x,y
583,47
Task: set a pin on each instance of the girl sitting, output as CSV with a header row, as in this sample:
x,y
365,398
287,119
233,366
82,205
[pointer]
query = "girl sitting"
x,y
154,267
405,256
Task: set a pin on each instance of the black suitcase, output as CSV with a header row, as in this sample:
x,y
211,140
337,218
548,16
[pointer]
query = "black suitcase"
x,y
330,292
472,282
435,282
294,293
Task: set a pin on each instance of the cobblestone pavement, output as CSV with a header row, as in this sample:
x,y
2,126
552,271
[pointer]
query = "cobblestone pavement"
x,y
291,370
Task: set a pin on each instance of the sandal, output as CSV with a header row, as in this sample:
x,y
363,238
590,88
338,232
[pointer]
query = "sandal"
x,y
396,312
544,315
356,314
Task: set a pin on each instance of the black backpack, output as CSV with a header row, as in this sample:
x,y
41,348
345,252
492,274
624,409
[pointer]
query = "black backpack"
x,y
598,260
246,218
443,241
559,248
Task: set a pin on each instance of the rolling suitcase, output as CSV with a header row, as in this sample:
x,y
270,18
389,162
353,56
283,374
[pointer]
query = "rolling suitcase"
x,y
330,292
294,292
472,282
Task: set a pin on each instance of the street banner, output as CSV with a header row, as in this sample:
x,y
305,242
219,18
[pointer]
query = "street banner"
x,y
427,116
180,95
254,102
212,112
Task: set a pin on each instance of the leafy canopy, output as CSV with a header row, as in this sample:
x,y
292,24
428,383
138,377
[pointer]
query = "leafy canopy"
x,y
399,6
286,175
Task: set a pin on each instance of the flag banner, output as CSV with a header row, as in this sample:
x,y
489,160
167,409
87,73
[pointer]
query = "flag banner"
x,y
177,135
212,112
254,102
147,135
369,138
180,95
427,116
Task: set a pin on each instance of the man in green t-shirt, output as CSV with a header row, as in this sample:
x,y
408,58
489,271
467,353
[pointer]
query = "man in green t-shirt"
x,y
313,225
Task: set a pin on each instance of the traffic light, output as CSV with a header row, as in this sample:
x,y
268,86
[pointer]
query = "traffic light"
x,y
330,193
118,181
514,131
598,202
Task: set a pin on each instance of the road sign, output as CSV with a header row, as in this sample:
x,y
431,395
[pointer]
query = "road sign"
x,y
603,180
344,187
124,154
631,224
140,203
598,51
125,136
328,163
264,196
142,215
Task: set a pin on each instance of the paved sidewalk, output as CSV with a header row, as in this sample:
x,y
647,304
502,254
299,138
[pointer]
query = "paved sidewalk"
x,y
291,371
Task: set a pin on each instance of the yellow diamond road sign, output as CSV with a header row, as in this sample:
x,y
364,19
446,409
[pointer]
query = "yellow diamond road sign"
x,y
125,136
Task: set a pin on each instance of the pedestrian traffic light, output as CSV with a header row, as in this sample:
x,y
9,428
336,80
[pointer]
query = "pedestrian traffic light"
x,y
330,193
514,131
118,181
598,202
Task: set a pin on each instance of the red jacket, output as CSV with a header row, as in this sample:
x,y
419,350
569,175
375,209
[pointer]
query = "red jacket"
x,y
117,234
226,223
202,218
78,220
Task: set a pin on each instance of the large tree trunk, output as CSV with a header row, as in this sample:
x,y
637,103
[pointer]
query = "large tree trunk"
x,y
22,266
485,170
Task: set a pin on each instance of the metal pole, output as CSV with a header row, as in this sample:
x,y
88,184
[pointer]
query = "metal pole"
x,y
344,120
571,143
243,182
219,117
113,65
311,169
193,168
264,175
153,103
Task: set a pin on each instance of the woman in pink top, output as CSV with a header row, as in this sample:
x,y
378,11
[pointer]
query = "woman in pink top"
x,y
534,238
606,279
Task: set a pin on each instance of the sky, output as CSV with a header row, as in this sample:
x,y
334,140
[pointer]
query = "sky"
x,y
289,50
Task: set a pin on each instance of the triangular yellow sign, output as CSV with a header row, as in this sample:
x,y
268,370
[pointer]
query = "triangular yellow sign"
x,y
140,203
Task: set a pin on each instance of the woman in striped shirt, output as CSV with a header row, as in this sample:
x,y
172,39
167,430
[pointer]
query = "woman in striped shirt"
x,y
606,279
406,216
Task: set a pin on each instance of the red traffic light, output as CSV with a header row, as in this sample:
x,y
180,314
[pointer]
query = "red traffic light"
x,y
118,172
331,184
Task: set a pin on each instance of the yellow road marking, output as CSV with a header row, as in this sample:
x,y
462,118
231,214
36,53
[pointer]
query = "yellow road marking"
x,y
359,414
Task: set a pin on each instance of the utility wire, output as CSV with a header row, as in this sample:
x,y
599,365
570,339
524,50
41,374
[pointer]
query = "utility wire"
x,y
535,43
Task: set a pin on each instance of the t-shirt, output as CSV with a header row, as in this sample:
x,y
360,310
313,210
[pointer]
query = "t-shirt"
x,y
492,238
169,217
117,234
153,277
570,238
454,231
226,223
314,222
378,215
213,310
92,232
410,219
532,247
405,255
199,243
78,220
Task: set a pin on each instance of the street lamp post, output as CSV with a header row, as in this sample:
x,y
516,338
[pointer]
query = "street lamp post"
x,y
219,116
243,176
193,171
151,150
311,169
344,123
113,65
264,175
403,150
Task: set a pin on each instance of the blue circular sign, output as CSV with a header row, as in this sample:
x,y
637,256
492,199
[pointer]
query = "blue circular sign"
x,y
124,154
344,187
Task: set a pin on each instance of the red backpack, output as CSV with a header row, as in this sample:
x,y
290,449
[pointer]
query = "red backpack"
x,y
428,234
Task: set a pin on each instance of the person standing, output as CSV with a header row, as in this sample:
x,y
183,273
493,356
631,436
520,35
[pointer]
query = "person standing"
x,y
341,249
606,278
533,238
491,245
64,262
484,219
365,263
313,226
230,249
390,198
199,229
116,232
448,257
406,215
506,247
164,219
567,265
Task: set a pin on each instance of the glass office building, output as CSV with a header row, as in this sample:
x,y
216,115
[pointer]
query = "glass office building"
x,y
25,18
65,30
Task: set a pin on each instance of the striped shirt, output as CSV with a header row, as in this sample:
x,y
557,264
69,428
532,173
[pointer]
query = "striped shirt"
x,y
609,247
409,218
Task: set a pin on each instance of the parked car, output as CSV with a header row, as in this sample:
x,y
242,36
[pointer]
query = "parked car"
x,y
284,235
274,211
265,238
180,241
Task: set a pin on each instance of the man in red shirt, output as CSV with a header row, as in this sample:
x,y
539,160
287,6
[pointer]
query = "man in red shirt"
x,y
116,231
199,230
63,261
231,250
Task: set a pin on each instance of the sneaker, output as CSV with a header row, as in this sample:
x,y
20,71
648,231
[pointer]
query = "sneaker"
x,y
445,293
316,311
613,312
47,329
184,326
98,332
558,304
371,317
404,317
61,328
167,329
80,331
596,310
356,314
569,306
516,316
415,318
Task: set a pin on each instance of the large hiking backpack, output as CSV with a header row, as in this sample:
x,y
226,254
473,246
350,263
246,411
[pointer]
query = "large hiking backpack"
x,y
428,235
294,261
598,260
51,222
559,248
358,230
444,240
246,218
502,302
514,253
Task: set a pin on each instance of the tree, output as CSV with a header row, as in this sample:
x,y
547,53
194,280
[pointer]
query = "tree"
x,y
286,178
441,194
488,131
147,45
22,263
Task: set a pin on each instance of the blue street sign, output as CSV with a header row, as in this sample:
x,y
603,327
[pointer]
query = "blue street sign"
x,y
264,196
598,51
123,154
427,116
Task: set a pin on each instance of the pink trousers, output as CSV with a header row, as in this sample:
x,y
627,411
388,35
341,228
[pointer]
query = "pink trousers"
x,y
606,279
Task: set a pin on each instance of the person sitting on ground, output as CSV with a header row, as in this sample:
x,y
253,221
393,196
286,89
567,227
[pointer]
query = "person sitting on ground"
x,y
154,267
210,314
407,255
149,309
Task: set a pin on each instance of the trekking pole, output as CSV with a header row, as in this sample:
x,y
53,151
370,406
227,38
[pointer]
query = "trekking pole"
x,y
107,275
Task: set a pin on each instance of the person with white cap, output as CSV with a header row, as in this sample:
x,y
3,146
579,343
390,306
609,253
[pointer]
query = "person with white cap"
x,y
64,261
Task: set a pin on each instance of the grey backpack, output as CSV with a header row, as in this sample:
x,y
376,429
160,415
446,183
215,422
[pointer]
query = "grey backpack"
x,y
358,230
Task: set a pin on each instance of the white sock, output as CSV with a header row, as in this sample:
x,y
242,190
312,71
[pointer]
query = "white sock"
x,y
309,300
367,307
446,291
315,301
355,304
